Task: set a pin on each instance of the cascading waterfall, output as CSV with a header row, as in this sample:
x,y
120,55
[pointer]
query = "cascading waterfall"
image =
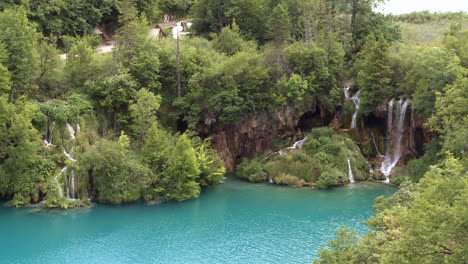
x,y
346,93
70,130
57,183
412,142
70,178
350,171
297,145
375,144
356,100
49,134
394,149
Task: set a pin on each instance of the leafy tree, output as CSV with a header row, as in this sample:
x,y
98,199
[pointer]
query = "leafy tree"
x,y
182,171
118,176
20,39
19,150
279,26
374,77
79,67
422,224
230,42
450,117
69,17
143,112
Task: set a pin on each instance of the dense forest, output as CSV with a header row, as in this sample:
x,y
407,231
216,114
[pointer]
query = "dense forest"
x,y
315,93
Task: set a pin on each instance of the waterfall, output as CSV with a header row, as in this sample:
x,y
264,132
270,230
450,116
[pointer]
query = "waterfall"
x,y
70,185
346,93
57,183
70,130
356,99
375,144
270,180
68,155
412,142
394,149
296,145
78,128
350,171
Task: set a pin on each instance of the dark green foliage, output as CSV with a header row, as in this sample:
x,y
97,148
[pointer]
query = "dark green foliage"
x,y
375,74
278,26
422,17
230,42
118,177
322,162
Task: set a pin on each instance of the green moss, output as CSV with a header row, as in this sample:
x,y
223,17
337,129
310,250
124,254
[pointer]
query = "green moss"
x,y
291,180
322,161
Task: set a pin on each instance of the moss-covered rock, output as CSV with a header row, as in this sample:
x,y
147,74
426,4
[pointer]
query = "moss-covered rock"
x,y
322,161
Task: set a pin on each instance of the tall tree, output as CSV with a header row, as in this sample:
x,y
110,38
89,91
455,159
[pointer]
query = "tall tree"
x,y
20,38
143,112
375,74
279,26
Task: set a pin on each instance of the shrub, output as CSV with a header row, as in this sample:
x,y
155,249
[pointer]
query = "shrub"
x,y
287,179
251,170
329,178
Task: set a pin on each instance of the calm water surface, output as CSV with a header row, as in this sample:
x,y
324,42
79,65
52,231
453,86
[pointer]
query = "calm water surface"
x,y
234,222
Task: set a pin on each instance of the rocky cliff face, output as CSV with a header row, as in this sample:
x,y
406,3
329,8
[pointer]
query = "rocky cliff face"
x,y
255,132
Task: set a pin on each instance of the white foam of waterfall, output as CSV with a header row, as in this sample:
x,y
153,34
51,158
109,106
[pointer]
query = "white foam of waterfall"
x,y
47,144
270,180
68,155
350,171
346,92
78,128
57,183
356,100
394,150
296,145
70,130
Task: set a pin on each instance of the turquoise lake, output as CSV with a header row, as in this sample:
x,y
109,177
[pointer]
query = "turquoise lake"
x,y
234,222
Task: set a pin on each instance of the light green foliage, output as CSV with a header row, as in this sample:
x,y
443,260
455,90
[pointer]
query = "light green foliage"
x,y
450,117
79,66
64,111
19,153
322,162
180,165
20,39
114,93
427,73
5,76
143,112
286,179
425,223
117,174
211,165
251,170
375,74
230,42
340,250
182,171
456,42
